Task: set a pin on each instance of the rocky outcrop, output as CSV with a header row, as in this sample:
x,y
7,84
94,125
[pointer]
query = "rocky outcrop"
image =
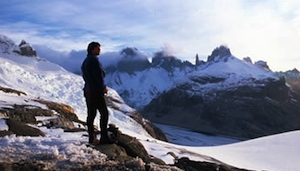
x,y
292,77
189,165
26,49
21,129
221,52
244,111
126,147
132,61
7,46
230,97
169,63
10,90
263,65
154,131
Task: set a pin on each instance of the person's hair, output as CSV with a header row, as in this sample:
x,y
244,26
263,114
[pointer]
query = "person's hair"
x,y
92,46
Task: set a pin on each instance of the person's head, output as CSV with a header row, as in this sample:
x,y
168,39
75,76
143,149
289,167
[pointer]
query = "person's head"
x,y
94,48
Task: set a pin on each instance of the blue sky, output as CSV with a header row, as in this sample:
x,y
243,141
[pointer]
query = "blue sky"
x,y
266,30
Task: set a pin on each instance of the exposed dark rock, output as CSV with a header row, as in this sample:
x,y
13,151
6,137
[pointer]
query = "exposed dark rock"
x,y
244,111
5,133
131,61
27,113
129,52
21,166
169,63
113,151
219,53
263,65
189,165
128,150
248,59
10,90
198,62
153,130
64,110
22,129
26,49
133,147
64,118
292,77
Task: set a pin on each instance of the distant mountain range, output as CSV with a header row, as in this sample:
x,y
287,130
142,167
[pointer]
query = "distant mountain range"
x,y
223,95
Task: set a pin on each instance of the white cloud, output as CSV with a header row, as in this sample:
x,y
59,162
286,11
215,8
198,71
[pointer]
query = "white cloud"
x,y
266,30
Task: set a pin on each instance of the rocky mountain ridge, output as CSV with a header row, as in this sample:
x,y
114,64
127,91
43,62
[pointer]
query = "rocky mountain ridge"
x,y
224,95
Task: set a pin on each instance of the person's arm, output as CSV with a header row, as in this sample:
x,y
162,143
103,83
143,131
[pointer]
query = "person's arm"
x,y
97,74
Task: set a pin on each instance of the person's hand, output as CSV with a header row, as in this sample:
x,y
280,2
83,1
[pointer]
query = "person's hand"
x,y
105,91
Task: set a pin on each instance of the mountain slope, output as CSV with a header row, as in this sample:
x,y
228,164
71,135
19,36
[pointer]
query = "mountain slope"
x,y
230,97
141,81
40,79
224,95
66,150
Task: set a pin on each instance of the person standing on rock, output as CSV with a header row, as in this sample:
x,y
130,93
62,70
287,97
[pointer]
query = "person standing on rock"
x,y
94,92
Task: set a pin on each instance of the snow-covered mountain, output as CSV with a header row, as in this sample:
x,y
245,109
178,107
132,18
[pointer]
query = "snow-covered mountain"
x,y
138,80
224,95
37,79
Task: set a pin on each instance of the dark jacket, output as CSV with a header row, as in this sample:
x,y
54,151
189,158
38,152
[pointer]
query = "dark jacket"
x,y
93,74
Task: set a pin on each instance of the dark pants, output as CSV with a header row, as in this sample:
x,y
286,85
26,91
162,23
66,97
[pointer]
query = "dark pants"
x,y
96,101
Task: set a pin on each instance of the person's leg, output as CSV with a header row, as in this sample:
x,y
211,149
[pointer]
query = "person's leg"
x,y
90,123
103,119
91,114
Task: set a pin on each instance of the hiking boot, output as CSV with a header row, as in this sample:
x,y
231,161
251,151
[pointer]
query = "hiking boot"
x,y
106,141
95,142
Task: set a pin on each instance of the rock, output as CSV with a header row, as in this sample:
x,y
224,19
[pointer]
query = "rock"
x,y
263,65
26,113
154,131
22,129
64,110
132,146
132,61
243,111
5,133
219,53
189,165
26,49
113,151
10,90
126,148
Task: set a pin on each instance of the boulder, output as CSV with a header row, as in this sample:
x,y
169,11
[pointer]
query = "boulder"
x,y
22,129
26,49
190,165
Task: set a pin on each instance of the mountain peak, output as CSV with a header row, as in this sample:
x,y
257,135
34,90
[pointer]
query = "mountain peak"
x,y
263,65
168,62
8,46
132,60
26,49
129,51
220,53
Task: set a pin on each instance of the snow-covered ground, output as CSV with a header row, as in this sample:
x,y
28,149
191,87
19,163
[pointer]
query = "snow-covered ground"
x,y
39,78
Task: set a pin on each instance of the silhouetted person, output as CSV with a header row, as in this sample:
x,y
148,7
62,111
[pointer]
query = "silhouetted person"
x,y
94,91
